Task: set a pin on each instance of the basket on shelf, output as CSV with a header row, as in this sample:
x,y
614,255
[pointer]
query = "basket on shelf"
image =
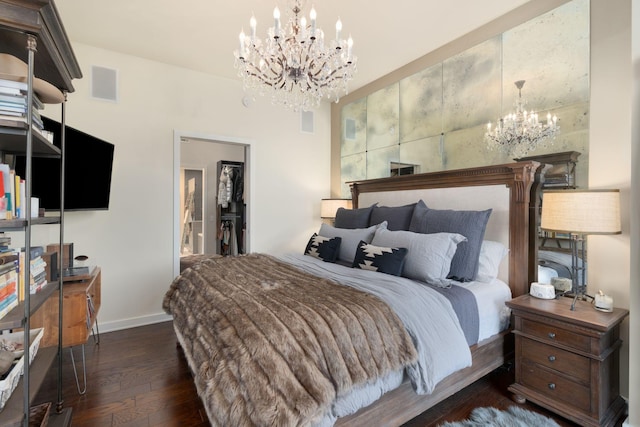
x,y
9,383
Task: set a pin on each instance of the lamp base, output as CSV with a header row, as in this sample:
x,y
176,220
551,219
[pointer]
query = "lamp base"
x,y
577,296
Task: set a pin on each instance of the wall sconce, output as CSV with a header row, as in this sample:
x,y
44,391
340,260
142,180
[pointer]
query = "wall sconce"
x,y
579,213
328,207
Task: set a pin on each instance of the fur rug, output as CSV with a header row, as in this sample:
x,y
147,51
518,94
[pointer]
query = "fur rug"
x,y
512,417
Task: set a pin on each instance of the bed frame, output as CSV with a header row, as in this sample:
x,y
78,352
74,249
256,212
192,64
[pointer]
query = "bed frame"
x,y
523,179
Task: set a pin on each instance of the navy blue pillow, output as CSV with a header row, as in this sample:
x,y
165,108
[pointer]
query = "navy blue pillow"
x,y
397,217
353,218
377,258
325,248
471,224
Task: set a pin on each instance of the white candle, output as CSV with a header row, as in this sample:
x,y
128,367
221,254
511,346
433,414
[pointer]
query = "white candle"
x,y
349,48
604,302
253,24
303,27
312,16
276,23
338,29
241,37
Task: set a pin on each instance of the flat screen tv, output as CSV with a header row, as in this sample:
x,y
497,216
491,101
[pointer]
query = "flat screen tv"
x,y
88,165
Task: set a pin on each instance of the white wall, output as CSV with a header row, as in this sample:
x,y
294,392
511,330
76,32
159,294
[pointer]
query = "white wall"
x,y
133,240
610,165
634,209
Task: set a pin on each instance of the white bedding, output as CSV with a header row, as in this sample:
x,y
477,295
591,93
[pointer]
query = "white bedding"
x,y
493,313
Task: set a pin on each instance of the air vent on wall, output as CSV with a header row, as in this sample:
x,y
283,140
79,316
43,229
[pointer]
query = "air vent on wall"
x,y
104,83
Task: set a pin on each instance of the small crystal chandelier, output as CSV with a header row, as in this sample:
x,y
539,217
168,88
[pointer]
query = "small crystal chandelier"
x,y
293,65
520,132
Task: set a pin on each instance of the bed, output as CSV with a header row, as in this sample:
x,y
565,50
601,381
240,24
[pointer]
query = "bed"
x,y
353,331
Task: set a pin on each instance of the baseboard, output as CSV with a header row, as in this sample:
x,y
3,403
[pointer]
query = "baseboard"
x,y
132,322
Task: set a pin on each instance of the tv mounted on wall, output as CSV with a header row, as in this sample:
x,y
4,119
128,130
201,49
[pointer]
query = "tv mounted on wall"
x,y
88,165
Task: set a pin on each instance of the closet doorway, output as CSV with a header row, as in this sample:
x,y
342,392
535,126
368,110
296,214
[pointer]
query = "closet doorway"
x,y
196,224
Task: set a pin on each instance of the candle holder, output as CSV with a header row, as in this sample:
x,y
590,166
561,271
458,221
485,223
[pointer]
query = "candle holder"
x,y
603,302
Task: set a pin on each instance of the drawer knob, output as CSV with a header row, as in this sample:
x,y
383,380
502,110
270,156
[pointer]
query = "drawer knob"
x,y
552,386
552,335
552,358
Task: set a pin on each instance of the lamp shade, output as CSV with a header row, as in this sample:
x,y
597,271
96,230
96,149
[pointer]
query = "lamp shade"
x,y
328,207
581,211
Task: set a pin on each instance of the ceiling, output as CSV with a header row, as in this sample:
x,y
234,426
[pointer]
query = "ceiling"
x,y
202,34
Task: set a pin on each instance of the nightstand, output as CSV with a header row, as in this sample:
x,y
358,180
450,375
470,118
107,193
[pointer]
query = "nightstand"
x,y
568,361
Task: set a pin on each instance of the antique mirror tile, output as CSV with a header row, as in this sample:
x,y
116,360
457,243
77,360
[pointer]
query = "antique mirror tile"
x,y
471,82
551,53
465,148
379,161
421,104
352,168
425,153
382,117
354,128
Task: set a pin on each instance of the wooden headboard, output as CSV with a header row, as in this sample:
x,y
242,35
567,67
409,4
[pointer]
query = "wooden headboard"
x,y
522,181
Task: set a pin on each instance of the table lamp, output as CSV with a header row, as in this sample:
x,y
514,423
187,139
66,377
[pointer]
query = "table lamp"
x,y
328,207
579,213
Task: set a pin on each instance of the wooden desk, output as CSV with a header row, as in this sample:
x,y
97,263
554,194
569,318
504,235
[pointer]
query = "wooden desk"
x,y
78,318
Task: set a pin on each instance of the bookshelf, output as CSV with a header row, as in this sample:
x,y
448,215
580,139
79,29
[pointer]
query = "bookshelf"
x,y
32,33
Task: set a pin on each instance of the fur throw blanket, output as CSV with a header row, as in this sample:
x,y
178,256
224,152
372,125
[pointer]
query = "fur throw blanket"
x,y
271,345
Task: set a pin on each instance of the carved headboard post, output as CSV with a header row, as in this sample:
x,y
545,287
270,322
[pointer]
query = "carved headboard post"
x,y
523,216
522,180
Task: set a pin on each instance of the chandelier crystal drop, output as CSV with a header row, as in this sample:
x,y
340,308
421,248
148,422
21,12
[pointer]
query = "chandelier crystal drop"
x,y
520,132
293,65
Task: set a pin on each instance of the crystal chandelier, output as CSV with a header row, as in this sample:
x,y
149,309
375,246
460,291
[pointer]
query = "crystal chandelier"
x,y
293,65
521,132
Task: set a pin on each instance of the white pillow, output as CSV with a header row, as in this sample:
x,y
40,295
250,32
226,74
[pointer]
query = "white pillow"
x,y
429,257
351,238
491,255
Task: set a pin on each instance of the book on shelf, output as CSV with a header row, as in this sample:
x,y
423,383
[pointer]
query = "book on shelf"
x,y
8,305
9,289
8,256
9,297
11,265
9,109
37,287
13,99
13,88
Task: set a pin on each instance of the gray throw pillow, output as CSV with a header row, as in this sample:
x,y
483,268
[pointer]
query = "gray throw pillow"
x,y
350,238
353,218
397,217
429,255
471,224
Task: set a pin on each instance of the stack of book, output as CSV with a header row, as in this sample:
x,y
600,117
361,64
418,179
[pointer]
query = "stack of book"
x,y
13,105
38,275
9,286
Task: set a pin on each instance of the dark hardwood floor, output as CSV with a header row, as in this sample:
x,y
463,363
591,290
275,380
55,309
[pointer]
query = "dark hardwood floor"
x,y
139,377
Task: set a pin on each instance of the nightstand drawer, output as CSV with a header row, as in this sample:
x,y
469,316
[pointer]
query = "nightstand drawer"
x,y
570,364
553,334
555,386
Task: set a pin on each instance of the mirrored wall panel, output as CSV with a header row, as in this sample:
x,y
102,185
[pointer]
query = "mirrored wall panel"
x,y
436,119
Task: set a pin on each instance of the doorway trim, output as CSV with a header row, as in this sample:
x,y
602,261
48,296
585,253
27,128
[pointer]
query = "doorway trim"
x,y
178,136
